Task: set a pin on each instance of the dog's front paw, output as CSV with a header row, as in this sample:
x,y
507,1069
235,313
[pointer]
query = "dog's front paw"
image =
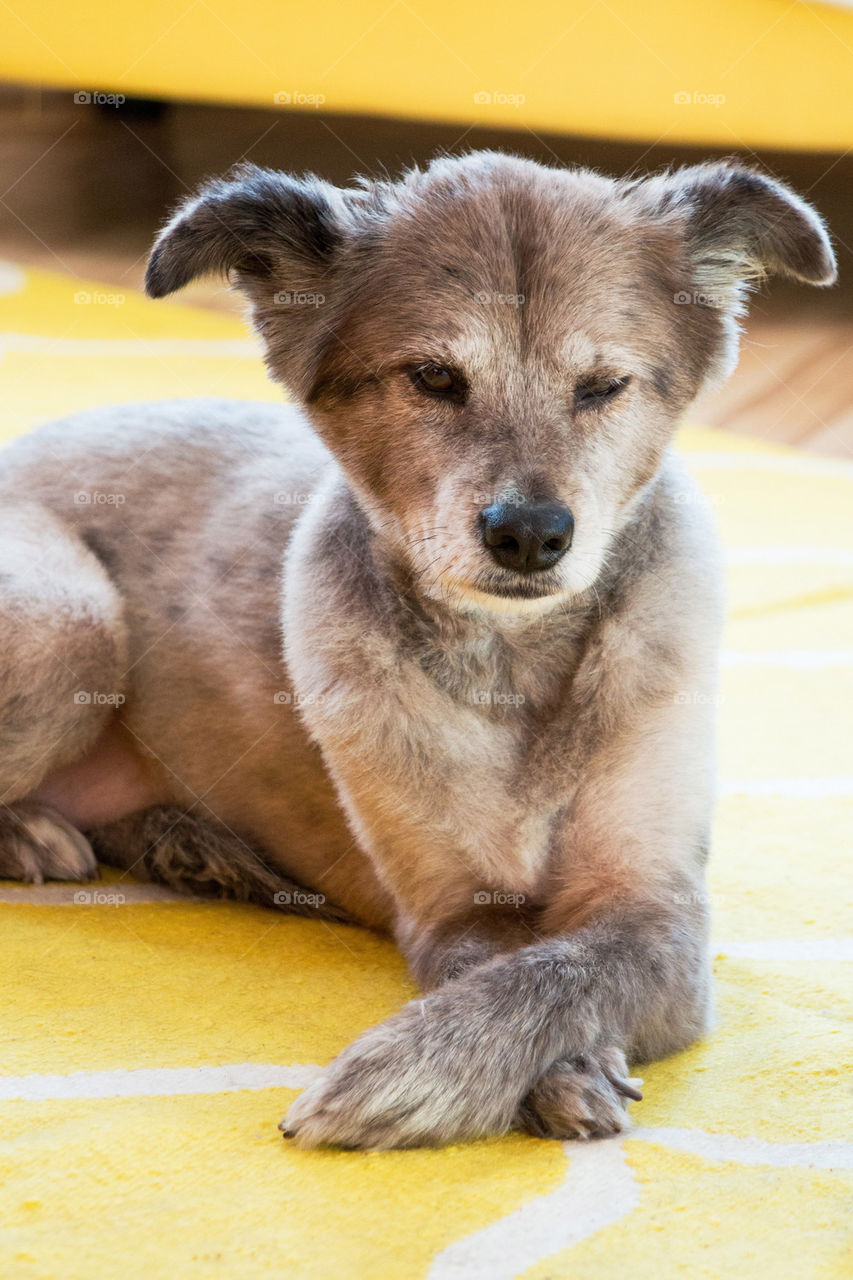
x,y
583,1097
415,1080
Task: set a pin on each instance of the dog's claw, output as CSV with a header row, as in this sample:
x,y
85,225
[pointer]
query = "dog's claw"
x,y
582,1098
627,1087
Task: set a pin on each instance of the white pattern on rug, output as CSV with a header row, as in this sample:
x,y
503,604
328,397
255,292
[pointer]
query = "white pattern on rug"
x,y
599,1189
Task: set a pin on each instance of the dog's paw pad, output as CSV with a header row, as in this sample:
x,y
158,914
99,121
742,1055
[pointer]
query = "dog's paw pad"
x,y
583,1097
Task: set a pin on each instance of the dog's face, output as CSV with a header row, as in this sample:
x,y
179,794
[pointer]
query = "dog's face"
x,y
497,353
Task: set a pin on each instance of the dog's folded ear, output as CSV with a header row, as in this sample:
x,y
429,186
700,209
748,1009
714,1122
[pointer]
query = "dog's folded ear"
x,y
255,225
281,240
740,226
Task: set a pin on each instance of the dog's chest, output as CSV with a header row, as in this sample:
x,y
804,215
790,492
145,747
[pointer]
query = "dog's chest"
x,y
519,686
496,715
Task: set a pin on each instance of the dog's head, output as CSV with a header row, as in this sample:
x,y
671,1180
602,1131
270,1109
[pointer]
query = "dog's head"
x,y
497,353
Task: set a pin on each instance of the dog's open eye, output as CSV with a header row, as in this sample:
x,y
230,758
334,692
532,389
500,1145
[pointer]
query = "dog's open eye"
x,y
436,380
596,390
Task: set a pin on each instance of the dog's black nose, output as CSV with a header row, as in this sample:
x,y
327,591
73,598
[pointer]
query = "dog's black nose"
x,y
527,536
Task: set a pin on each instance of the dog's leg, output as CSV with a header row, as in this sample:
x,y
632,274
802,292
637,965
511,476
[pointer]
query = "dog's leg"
x,y
596,824
535,1039
62,646
580,1097
619,971
194,853
460,1063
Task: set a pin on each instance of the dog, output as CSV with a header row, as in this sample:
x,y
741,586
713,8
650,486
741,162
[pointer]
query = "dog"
x,y
432,649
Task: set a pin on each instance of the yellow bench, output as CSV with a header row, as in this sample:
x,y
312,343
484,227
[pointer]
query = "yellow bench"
x,y
731,73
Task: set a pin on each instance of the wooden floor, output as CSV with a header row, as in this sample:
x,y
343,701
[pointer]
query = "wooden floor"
x,y
83,191
794,384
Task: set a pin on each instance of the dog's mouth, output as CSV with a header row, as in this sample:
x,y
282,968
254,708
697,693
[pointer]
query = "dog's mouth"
x,y
520,590
507,594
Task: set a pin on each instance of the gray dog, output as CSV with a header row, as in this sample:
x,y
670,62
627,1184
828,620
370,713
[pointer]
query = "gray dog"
x,y
442,661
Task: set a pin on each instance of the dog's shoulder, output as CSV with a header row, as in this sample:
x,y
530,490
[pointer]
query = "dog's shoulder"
x,y
673,538
662,598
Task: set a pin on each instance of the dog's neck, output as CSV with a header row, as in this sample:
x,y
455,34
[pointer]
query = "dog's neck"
x,y
474,620
511,666
472,624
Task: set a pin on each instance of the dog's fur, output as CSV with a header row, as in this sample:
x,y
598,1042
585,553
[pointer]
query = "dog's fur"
x,y
513,774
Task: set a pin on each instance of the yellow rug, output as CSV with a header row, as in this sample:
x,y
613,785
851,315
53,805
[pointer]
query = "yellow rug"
x,y
150,1045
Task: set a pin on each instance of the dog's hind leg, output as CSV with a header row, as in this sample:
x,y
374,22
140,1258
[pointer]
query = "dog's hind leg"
x,y
62,655
193,852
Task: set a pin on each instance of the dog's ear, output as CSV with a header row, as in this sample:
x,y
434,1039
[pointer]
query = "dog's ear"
x,y
281,240
740,226
255,225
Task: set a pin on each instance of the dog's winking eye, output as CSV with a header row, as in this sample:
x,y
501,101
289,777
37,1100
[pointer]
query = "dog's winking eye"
x,y
436,380
596,390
